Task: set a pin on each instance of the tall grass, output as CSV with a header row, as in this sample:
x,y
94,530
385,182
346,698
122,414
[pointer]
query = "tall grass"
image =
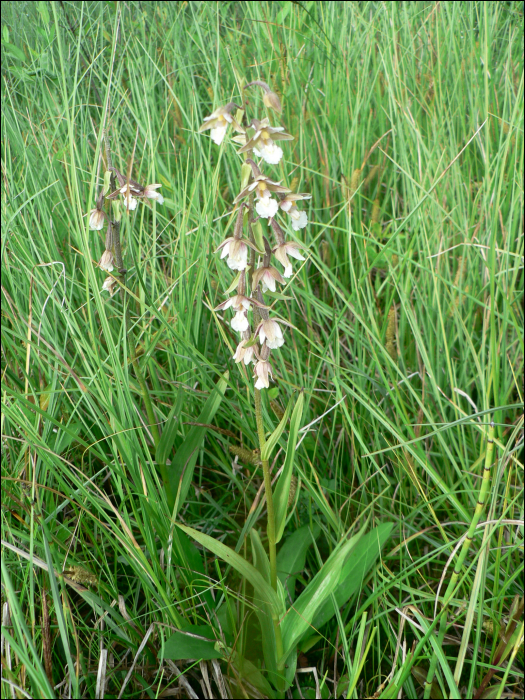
x,y
408,322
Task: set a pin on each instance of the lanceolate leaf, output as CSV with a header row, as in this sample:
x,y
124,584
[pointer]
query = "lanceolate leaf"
x,y
292,557
263,612
354,571
263,592
183,464
282,490
298,619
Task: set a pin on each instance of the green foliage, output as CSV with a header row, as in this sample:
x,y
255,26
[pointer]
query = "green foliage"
x,y
406,341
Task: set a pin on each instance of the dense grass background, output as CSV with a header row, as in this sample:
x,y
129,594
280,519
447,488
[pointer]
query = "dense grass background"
x,y
408,120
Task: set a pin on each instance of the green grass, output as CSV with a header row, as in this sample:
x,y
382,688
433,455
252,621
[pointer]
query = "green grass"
x,y
407,342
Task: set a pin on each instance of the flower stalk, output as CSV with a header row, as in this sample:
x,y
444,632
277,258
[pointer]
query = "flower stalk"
x,y
132,192
265,199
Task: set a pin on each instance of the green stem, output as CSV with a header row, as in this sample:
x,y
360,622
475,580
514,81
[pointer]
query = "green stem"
x,y
268,491
483,490
271,523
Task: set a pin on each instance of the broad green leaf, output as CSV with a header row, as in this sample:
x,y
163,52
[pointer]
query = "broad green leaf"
x,y
282,490
274,437
299,617
262,564
183,646
291,558
181,471
354,571
263,592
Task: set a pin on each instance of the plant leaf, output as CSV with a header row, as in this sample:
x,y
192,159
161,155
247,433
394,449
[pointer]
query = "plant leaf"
x,y
282,489
181,471
291,558
269,645
263,592
299,617
354,571
274,437
183,646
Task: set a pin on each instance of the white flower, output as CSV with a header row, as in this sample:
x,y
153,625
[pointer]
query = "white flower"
x,y
271,332
239,303
262,186
269,152
151,193
219,121
240,322
282,252
96,219
263,141
299,218
288,205
129,201
110,285
262,370
243,354
267,206
106,261
218,133
237,252
266,276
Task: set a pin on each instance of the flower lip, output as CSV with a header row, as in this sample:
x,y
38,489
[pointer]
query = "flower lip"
x,y
240,321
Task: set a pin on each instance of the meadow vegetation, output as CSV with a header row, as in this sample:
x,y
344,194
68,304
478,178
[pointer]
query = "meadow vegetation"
x,y
139,558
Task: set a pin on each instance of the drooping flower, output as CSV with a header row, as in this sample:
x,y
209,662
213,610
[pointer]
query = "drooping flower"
x,y
263,141
282,252
219,121
299,218
110,285
237,251
262,186
96,219
241,304
270,331
150,192
130,189
129,201
262,369
106,261
243,354
267,276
